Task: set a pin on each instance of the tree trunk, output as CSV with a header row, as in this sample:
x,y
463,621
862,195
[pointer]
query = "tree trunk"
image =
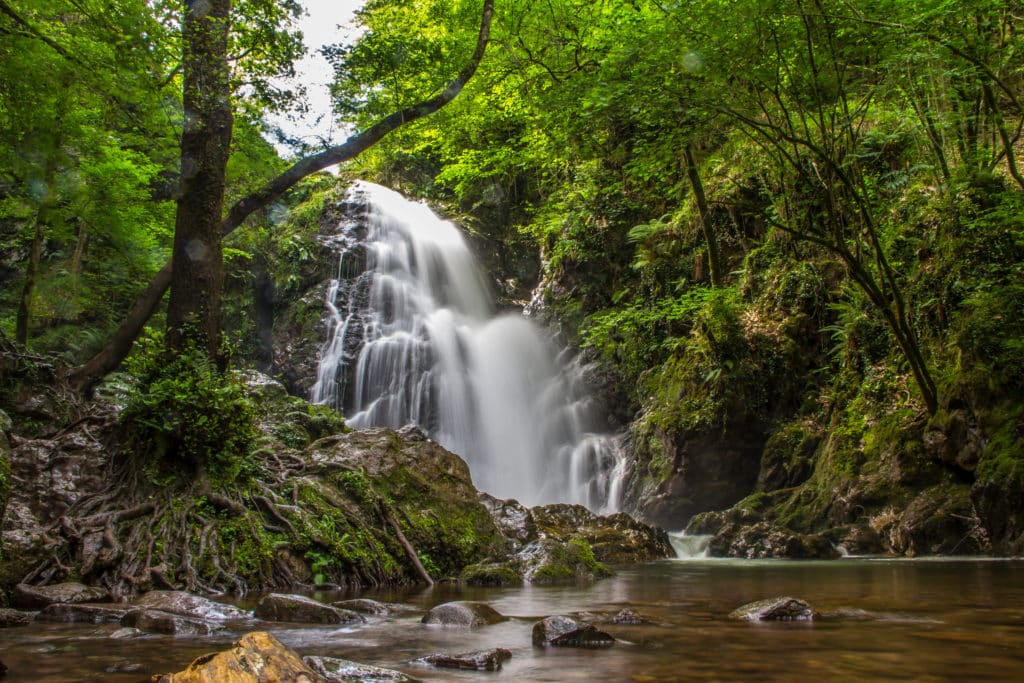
x,y
197,278
31,268
710,238
85,376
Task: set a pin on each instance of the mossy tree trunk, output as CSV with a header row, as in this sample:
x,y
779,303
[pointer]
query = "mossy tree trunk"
x,y
198,273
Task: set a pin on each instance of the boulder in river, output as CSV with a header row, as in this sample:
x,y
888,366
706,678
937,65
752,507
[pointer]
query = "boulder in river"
x,y
189,605
156,621
364,606
462,614
82,614
775,609
559,631
302,610
334,670
551,561
13,617
37,597
481,660
256,657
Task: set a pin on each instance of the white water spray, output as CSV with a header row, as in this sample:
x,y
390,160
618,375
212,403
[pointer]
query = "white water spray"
x,y
414,339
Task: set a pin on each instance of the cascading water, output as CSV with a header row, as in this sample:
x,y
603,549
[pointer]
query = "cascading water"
x,y
414,339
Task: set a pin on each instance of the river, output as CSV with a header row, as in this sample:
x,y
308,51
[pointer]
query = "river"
x,y
922,620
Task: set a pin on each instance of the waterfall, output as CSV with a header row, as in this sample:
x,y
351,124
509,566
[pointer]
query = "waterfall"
x,y
414,338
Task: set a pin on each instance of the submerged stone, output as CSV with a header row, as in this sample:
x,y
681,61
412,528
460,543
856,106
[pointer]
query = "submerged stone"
x,y
481,660
335,670
775,609
462,614
559,631
302,610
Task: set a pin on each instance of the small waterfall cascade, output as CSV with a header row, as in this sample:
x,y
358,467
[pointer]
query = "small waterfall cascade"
x,y
414,338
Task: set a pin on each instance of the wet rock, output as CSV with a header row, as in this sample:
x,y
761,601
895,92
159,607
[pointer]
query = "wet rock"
x,y
462,614
334,670
13,617
481,660
82,614
775,609
364,606
552,561
559,631
302,610
126,633
256,658
155,621
37,597
616,538
764,540
491,574
189,605
124,667
628,616
512,518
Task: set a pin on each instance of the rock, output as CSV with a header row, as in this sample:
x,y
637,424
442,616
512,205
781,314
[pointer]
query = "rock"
x,y
156,621
364,606
628,616
552,561
46,477
512,518
462,614
302,610
561,631
189,605
13,617
481,660
256,658
491,574
126,633
616,538
429,489
37,597
343,671
764,540
953,437
858,539
82,614
941,520
3,669
775,609
124,667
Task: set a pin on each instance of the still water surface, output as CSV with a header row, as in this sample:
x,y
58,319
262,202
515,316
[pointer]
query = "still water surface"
x,y
926,620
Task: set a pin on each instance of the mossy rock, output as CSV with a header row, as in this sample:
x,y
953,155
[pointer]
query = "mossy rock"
x,y
491,574
549,561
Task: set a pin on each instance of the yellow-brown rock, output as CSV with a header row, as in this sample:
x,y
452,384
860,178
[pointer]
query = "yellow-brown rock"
x,y
257,657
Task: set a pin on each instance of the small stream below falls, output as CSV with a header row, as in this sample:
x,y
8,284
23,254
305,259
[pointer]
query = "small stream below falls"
x,y
922,620
414,338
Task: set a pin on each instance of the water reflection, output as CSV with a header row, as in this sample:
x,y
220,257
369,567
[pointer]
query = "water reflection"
x,y
925,621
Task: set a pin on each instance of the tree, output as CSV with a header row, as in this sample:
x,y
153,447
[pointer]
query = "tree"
x,y
200,228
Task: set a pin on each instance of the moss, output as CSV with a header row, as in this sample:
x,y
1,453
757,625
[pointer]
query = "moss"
x,y
491,574
1003,458
571,561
